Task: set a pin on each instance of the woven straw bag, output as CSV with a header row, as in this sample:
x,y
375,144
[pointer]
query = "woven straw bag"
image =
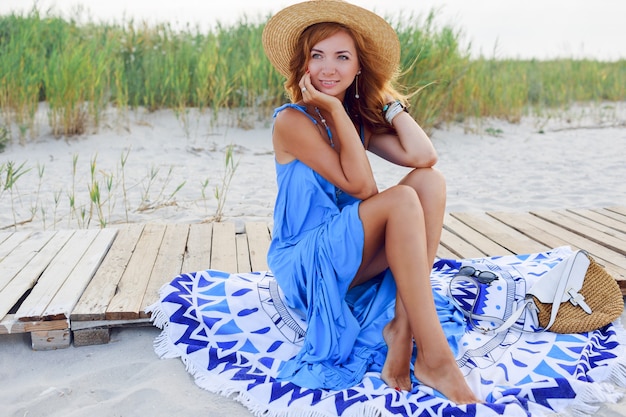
x,y
601,293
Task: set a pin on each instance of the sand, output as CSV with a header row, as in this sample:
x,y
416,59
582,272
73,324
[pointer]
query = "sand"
x,y
572,158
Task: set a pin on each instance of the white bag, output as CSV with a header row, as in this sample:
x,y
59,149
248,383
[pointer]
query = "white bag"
x,y
563,283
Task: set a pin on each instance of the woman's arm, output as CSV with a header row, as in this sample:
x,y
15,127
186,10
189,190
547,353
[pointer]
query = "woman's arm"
x,y
346,166
410,147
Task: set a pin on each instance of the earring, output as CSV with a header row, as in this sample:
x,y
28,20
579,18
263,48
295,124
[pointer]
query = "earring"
x,y
356,85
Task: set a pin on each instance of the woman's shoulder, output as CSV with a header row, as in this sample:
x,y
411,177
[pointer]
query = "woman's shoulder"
x,y
290,115
296,106
292,131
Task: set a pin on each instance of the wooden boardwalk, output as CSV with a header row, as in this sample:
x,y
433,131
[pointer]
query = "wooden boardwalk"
x,y
78,284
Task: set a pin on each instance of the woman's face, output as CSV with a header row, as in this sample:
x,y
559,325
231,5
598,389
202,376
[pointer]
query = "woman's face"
x,y
333,64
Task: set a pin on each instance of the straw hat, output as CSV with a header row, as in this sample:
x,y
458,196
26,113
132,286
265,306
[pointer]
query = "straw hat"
x,y
283,30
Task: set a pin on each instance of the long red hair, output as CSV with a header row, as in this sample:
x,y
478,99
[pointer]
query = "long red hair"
x,y
374,88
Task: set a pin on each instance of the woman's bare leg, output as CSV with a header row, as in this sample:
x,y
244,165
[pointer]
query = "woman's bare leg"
x,y
394,220
430,186
399,339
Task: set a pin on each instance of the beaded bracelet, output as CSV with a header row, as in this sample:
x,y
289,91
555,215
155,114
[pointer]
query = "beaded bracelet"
x,y
391,110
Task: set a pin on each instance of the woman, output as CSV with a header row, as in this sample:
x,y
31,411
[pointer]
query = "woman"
x,y
341,248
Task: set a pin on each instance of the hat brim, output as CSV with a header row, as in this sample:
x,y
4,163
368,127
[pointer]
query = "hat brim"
x,y
283,30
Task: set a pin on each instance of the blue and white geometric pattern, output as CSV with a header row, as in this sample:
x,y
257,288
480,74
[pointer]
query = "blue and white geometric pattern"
x,y
233,331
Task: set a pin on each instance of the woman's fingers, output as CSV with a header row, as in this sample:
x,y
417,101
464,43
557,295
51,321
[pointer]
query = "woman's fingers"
x,y
305,84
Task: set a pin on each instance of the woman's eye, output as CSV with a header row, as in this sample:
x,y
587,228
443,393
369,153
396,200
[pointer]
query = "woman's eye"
x,y
316,56
344,57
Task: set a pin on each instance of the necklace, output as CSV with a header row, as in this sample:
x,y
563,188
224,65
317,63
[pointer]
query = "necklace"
x,y
338,191
330,136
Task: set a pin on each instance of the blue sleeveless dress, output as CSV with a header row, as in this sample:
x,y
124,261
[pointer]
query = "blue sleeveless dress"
x,y
316,250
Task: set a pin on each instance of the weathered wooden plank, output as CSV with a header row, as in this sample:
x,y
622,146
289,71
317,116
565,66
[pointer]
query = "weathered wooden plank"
x,y
500,238
532,227
596,222
224,247
50,339
10,325
502,234
198,253
600,218
620,210
17,259
93,303
126,303
445,253
611,214
168,263
554,236
259,239
481,242
580,227
100,324
55,274
28,276
74,286
11,242
243,253
90,337
459,247
4,236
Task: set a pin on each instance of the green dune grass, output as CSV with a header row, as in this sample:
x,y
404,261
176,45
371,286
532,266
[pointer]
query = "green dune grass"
x,y
80,70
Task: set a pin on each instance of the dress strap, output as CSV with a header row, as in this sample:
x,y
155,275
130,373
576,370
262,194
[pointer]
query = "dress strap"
x,y
294,106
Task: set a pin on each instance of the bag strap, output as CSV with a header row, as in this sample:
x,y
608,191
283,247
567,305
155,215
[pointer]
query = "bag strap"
x,y
575,297
509,323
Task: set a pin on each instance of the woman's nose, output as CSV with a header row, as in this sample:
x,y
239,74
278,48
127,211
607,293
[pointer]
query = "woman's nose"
x,y
328,69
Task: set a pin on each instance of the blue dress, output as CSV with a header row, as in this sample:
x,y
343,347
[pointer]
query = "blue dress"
x,y
316,250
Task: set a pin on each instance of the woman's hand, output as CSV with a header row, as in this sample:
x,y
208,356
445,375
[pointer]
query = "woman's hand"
x,y
314,97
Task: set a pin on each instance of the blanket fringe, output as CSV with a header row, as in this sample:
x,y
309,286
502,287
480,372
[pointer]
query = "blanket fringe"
x,y
618,375
157,316
162,345
618,371
211,384
588,400
261,411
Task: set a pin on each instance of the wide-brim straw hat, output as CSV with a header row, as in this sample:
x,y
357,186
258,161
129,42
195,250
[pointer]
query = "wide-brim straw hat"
x,y
283,30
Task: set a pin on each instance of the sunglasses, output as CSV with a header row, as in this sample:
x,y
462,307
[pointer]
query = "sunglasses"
x,y
484,277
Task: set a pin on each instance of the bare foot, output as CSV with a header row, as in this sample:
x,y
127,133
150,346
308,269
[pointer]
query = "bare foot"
x,y
445,376
396,371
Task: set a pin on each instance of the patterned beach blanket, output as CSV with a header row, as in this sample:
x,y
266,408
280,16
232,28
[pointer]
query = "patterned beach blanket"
x,y
233,332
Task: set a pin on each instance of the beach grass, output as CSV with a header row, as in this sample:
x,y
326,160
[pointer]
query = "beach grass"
x,y
79,69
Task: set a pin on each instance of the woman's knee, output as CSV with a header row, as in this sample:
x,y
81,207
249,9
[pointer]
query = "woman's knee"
x,y
428,183
390,202
425,177
403,196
